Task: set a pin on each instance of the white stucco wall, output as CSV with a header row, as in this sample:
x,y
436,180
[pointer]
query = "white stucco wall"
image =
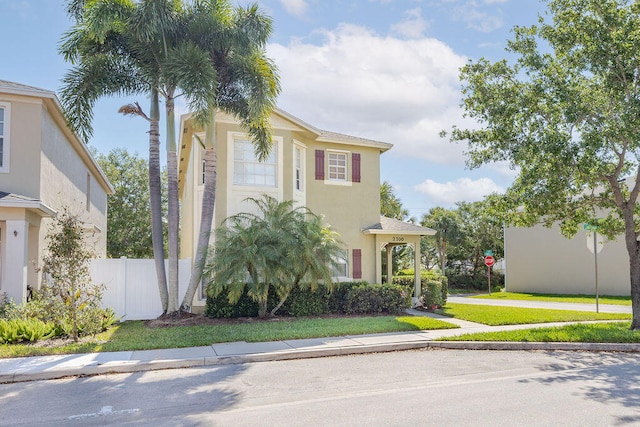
x,y
541,260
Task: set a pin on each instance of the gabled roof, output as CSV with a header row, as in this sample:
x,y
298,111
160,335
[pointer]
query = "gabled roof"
x,y
335,137
55,109
12,200
20,89
394,226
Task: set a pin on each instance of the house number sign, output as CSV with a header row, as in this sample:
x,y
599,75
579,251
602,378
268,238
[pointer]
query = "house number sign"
x,y
397,239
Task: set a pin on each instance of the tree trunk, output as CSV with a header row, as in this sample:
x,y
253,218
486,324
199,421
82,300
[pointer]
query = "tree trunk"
x,y
173,207
633,248
206,217
155,196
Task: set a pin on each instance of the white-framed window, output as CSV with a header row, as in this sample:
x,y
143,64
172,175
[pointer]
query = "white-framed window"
x,y
341,267
337,166
248,170
5,119
298,169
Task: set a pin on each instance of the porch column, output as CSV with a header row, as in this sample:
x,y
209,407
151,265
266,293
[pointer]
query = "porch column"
x,y
416,270
389,248
16,260
377,251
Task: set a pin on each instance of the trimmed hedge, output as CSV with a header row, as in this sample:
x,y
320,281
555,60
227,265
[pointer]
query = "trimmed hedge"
x,y
466,281
433,287
345,298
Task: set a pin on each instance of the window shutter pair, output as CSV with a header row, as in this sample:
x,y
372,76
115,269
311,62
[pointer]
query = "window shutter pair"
x,y
355,166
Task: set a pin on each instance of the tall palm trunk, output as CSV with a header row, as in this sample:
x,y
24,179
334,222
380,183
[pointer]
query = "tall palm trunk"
x,y
206,218
156,198
173,206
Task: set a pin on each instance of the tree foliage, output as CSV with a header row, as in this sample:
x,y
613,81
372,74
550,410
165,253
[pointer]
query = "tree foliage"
x,y
128,208
75,300
566,114
280,247
463,234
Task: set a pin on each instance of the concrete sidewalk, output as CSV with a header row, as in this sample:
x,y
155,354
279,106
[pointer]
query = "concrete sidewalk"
x,y
51,367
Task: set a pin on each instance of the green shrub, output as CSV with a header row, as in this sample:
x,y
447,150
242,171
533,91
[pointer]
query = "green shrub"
x,y
4,304
306,302
219,307
339,296
377,299
32,330
9,331
432,293
467,281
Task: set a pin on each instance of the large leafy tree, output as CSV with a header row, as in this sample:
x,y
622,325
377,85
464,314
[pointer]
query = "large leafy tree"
x,y
129,224
279,247
566,113
245,85
446,223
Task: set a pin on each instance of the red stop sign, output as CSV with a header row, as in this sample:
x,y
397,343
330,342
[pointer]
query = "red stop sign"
x,y
489,261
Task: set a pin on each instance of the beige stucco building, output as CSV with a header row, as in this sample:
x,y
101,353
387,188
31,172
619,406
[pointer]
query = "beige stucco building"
x,y
334,175
44,168
541,260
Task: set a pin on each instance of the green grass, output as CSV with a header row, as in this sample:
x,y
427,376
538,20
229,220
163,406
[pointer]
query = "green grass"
x,y
614,332
585,299
494,316
135,335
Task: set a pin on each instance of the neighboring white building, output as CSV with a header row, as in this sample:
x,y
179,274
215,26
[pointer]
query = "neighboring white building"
x,y
541,260
44,168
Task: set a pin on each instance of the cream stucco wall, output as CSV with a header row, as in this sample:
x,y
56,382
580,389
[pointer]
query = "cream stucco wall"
x,y
347,207
66,181
47,164
541,260
26,135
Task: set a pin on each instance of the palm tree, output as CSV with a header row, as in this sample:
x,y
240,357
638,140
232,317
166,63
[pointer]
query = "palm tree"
x,y
279,247
246,85
155,40
109,61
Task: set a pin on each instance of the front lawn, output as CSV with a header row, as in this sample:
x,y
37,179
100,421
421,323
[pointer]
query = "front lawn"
x,y
584,299
494,315
614,332
136,335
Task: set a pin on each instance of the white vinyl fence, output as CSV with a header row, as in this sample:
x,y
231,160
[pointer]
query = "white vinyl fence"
x,y
131,286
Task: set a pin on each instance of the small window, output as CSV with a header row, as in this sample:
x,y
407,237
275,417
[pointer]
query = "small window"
x,y
248,170
337,166
203,171
298,172
5,113
340,268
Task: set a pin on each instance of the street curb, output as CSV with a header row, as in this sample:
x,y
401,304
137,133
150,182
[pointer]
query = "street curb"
x,y
131,367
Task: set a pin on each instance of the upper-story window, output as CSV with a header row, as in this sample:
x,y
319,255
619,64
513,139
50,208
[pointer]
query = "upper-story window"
x,y
5,113
248,170
342,167
337,166
298,169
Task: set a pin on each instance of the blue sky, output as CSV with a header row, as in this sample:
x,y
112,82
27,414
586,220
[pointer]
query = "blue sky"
x,y
380,69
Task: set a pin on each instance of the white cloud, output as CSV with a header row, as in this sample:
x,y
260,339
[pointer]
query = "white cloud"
x,y
463,189
384,88
295,7
481,15
412,26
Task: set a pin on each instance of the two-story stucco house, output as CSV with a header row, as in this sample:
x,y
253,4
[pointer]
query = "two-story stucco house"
x,y
334,175
44,168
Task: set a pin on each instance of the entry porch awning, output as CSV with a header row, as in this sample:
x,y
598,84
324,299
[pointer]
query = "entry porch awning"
x,y
391,232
